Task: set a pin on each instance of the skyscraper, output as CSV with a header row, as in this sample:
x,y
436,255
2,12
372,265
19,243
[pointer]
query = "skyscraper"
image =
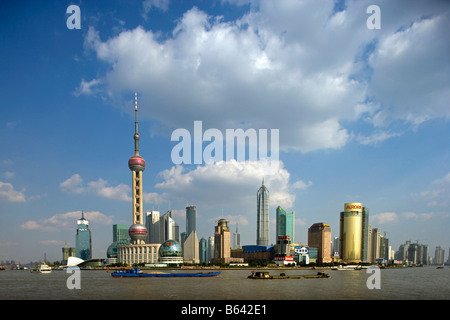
x,y
236,239
350,233
285,224
191,213
222,241
152,225
137,231
262,216
83,242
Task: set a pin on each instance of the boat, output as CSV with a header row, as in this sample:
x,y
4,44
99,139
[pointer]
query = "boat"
x,y
347,268
42,268
266,275
440,267
136,272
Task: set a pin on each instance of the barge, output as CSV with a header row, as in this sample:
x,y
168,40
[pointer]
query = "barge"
x,y
266,276
137,273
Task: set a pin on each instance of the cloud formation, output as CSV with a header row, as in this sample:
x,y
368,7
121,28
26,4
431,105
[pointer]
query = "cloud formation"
x,y
311,69
9,194
65,221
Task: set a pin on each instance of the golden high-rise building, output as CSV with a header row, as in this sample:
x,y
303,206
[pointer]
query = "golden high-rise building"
x,y
350,232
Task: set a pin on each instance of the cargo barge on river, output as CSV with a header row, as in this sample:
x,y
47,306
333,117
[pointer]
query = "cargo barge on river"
x,y
137,273
267,276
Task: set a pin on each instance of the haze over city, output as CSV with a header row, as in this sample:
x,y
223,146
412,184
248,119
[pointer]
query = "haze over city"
x,y
362,115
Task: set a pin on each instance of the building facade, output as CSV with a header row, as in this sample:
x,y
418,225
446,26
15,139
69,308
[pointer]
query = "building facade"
x,y
133,254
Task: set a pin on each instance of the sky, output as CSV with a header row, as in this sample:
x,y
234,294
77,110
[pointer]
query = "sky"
x,y
360,99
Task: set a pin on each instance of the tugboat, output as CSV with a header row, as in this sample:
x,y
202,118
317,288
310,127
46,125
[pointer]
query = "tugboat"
x,y
136,272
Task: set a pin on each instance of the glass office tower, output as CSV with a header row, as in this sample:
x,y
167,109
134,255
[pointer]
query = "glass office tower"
x,y
285,224
83,242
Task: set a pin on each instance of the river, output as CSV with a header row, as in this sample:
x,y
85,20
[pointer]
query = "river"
x,y
420,283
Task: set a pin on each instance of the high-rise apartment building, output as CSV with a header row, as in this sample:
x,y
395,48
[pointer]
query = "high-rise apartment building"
x,y
319,236
262,216
83,240
285,224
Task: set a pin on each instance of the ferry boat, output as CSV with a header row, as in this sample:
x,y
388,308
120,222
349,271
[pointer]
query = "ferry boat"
x,y
43,268
136,272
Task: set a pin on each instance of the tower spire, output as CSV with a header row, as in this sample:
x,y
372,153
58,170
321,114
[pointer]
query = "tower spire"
x,y
136,134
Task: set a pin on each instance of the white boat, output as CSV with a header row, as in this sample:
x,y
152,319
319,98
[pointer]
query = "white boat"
x,y
43,268
347,268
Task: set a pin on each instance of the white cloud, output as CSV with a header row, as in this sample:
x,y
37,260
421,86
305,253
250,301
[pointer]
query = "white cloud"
x,y
121,192
88,87
66,221
228,185
298,66
8,194
418,216
75,185
383,218
437,193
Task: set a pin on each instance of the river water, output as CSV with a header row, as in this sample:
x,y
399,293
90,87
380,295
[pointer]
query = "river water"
x,y
423,283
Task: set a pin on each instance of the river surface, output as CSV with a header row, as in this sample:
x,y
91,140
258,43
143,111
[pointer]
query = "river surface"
x,y
423,283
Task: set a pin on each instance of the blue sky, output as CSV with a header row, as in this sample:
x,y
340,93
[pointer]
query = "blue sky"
x,y
362,115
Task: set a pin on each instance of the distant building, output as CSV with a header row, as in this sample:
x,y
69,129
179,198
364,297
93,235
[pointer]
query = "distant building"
x,y
236,239
68,252
439,255
203,250
285,223
210,249
83,240
262,216
319,236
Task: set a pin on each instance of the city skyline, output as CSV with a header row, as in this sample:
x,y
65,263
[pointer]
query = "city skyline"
x,y
362,116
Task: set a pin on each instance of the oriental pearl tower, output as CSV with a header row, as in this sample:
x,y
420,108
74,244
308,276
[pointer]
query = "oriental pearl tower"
x,y
138,232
